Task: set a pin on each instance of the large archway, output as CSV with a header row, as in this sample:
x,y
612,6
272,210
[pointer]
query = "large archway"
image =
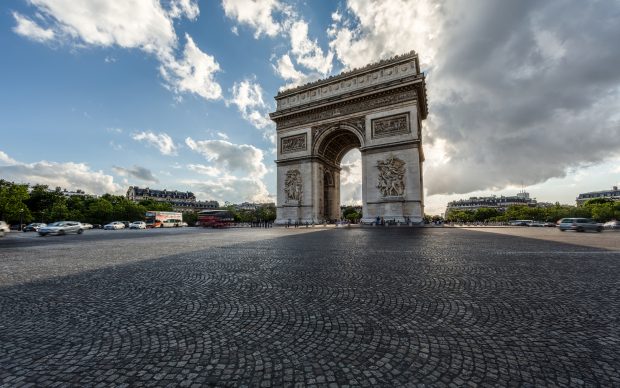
x,y
331,146
377,109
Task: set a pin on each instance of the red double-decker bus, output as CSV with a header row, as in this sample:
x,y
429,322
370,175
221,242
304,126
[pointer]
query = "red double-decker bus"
x,y
215,218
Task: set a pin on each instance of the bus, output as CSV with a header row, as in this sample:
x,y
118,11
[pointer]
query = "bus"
x,y
156,219
215,218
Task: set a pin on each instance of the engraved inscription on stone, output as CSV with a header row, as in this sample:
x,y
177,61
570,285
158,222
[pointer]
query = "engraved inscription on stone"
x,y
293,186
391,177
390,125
293,143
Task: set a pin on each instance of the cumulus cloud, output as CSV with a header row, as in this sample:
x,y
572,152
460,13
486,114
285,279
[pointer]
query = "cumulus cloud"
x,y
54,174
243,159
129,24
259,15
310,63
141,173
29,29
247,96
351,179
528,92
285,68
142,25
6,159
184,8
193,73
204,170
308,53
373,29
163,142
310,58
236,171
231,188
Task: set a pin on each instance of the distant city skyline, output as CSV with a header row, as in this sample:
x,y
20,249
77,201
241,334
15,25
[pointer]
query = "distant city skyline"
x,y
176,94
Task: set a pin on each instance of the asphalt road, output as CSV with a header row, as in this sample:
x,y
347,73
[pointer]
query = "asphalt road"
x,y
309,307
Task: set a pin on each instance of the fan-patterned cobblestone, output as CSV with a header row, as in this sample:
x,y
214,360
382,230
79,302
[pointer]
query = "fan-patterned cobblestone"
x,y
359,307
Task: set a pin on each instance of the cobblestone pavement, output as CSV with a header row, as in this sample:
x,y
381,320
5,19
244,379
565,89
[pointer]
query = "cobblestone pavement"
x,y
351,307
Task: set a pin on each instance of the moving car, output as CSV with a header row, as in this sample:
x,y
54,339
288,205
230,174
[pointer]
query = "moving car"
x,y
114,225
34,227
536,224
4,228
612,225
137,225
86,225
61,227
521,222
579,224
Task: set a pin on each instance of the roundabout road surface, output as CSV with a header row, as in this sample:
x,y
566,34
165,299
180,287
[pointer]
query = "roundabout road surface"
x,y
325,307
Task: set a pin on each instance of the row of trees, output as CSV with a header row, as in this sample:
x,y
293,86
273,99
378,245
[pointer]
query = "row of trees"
x,y
265,213
40,204
599,209
18,204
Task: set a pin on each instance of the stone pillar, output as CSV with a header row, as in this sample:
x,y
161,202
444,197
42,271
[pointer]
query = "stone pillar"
x,y
392,168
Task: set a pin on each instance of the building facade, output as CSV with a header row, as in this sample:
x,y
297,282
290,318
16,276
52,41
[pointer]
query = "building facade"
x,y
500,203
613,194
181,201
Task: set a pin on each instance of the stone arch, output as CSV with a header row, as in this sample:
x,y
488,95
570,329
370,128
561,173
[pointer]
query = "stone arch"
x,y
378,109
333,142
330,144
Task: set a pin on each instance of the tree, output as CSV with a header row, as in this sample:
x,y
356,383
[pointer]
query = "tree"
x,y
190,218
12,202
152,205
351,214
100,211
484,214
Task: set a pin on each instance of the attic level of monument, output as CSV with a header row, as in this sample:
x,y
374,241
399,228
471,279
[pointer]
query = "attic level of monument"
x,y
399,73
379,110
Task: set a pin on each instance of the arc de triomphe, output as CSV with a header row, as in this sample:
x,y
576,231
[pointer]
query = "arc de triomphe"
x,y
378,109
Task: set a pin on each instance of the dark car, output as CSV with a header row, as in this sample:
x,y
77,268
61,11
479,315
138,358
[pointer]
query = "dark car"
x,y
34,227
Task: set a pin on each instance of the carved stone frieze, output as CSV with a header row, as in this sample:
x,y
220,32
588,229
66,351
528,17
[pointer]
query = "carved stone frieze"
x,y
391,177
293,186
347,84
357,123
390,125
346,109
294,143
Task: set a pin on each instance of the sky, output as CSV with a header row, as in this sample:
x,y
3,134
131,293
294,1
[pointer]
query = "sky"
x,y
99,95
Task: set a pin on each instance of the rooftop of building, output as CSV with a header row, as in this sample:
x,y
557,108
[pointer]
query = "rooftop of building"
x,y
614,191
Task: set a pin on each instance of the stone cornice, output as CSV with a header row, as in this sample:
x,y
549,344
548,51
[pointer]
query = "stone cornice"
x,y
352,73
370,79
342,108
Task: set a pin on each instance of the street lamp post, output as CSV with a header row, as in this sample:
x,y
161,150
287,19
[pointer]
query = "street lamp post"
x,y
21,218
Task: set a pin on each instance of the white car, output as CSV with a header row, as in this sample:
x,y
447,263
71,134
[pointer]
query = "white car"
x,y
114,225
137,225
61,227
86,225
4,228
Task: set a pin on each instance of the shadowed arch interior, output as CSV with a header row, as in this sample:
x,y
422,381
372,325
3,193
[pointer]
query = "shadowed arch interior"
x,y
336,143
